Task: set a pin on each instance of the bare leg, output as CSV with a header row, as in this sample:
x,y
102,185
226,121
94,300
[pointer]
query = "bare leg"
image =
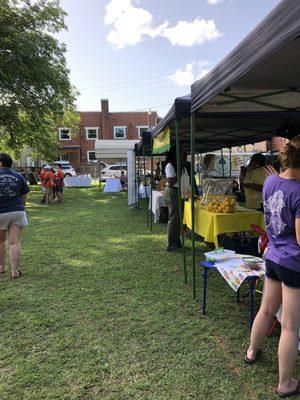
x,y
14,240
2,250
288,344
271,302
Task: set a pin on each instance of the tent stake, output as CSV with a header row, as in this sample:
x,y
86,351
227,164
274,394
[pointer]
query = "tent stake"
x,y
181,202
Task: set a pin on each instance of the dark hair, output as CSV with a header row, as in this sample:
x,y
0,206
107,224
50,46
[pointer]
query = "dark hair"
x,y
290,154
171,158
260,158
59,165
6,160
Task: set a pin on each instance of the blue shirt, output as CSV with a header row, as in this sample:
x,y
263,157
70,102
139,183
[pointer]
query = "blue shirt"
x,y
12,187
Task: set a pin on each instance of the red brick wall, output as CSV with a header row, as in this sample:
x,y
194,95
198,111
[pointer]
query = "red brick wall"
x,y
105,121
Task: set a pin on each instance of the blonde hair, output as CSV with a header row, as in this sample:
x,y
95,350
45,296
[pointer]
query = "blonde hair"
x,y
290,154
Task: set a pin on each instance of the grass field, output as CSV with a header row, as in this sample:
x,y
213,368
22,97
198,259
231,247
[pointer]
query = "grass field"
x,y
102,313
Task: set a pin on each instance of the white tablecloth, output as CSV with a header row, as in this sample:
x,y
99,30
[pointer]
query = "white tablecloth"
x,y
113,185
142,191
155,205
78,181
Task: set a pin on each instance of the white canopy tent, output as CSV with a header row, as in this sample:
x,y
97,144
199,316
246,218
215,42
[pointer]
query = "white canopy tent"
x,y
108,149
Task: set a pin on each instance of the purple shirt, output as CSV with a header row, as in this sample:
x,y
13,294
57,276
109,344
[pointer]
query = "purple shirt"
x,y
282,206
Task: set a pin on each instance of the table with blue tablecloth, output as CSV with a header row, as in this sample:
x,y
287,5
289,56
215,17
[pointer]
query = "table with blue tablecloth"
x,y
113,185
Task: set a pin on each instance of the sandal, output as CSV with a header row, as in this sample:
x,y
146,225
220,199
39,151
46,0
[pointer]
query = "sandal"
x,y
290,394
16,277
249,361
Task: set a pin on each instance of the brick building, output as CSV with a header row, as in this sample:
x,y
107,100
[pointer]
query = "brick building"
x,y
79,148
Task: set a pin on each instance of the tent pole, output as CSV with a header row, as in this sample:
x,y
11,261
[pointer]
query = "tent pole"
x,y
230,161
199,177
145,185
152,183
181,202
222,160
193,200
135,206
137,183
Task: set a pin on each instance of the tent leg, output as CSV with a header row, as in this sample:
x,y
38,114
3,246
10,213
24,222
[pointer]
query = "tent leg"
x,y
145,185
181,202
193,201
152,183
222,160
138,182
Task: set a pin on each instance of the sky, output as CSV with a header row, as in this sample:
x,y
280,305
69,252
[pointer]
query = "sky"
x,y
142,54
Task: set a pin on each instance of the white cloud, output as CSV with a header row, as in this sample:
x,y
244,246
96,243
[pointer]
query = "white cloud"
x,y
191,72
212,2
132,24
192,33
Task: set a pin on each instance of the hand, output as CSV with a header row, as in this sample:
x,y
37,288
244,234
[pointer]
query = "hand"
x,y
271,170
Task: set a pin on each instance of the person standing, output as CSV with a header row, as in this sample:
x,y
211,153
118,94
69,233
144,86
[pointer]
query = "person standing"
x,y
254,180
172,200
13,192
42,179
281,195
59,183
49,183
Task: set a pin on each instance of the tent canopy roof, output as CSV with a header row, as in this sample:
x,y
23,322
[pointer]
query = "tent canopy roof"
x,y
180,109
261,73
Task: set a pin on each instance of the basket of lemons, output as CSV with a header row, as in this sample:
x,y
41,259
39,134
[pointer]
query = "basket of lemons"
x,y
221,204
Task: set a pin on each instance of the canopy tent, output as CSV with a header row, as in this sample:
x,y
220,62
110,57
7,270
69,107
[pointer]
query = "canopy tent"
x,y
254,93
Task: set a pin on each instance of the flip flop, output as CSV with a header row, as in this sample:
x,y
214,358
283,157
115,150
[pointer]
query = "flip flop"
x,y
17,277
289,394
249,361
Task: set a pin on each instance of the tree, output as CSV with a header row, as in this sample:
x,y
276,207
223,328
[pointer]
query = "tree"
x,y
35,91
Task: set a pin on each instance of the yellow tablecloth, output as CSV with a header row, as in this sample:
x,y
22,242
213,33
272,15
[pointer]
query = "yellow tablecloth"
x,y
209,225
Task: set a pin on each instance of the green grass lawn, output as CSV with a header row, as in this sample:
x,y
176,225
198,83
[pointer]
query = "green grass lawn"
x,y
102,313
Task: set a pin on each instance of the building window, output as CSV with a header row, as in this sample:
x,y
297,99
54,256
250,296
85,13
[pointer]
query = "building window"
x,y
64,157
91,155
120,132
64,134
91,133
142,129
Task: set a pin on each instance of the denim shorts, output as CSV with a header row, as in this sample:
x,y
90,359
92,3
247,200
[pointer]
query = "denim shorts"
x,y
288,276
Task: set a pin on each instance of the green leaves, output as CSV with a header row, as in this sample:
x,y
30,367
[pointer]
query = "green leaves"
x,y
35,91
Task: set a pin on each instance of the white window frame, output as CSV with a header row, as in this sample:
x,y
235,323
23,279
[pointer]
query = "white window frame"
x,y
87,132
88,155
141,127
118,127
59,133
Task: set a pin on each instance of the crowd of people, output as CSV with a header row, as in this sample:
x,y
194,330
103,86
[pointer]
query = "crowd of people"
x,y
52,183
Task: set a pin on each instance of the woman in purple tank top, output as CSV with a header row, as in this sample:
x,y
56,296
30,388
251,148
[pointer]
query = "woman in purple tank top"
x,y
281,195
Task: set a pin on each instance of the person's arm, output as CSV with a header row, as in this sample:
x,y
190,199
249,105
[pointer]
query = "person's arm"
x,y
172,181
24,199
297,228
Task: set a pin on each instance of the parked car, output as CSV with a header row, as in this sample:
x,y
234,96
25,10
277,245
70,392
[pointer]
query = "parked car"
x,y
113,171
66,167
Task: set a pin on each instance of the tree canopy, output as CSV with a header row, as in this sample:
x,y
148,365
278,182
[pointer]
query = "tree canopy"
x,y
35,91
